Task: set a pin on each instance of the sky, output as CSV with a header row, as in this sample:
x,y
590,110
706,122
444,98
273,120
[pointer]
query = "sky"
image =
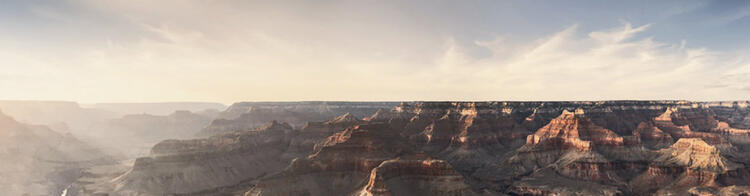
x,y
229,50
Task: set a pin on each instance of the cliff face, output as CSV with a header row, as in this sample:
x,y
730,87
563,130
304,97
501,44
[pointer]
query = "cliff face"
x,y
415,177
687,164
185,166
598,148
216,164
365,160
474,148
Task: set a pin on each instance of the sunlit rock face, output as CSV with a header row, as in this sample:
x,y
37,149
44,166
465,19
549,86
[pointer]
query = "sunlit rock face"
x,y
647,162
365,160
467,148
414,177
35,160
690,163
480,139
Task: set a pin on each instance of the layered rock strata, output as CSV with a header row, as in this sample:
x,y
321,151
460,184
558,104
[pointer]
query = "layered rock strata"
x,y
485,148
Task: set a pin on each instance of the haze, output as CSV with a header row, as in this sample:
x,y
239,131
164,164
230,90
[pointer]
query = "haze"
x,y
374,98
227,51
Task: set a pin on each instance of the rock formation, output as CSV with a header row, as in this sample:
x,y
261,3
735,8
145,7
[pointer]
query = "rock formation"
x,y
463,148
217,163
365,160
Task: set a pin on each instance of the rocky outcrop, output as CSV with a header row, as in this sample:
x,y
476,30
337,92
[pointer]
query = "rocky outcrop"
x,y
370,159
694,153
340,166
415,177
571,146
651,136
666,123
491,143
689,163
314,133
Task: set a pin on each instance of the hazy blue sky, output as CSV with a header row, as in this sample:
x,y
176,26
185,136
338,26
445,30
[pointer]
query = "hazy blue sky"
x,y
226,51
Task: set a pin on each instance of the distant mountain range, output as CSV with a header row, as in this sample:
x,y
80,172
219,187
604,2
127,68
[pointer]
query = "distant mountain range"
x,y
162,109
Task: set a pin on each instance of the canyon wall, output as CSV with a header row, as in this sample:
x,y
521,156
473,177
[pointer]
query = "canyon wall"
x,y
464,148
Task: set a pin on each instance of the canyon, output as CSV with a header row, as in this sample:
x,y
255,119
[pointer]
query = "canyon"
x,y
441,148
39,161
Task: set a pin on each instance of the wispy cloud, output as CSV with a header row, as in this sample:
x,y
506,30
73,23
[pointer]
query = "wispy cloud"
x,y
221,52
606,64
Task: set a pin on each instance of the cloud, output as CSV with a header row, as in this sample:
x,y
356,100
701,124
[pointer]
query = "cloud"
x,y
218,52
606,64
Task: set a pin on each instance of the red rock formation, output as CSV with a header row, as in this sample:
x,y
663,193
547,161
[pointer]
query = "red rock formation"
x,y
651,136
371,159
534,148
689,162
341,164
665,123
415,176
572,131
